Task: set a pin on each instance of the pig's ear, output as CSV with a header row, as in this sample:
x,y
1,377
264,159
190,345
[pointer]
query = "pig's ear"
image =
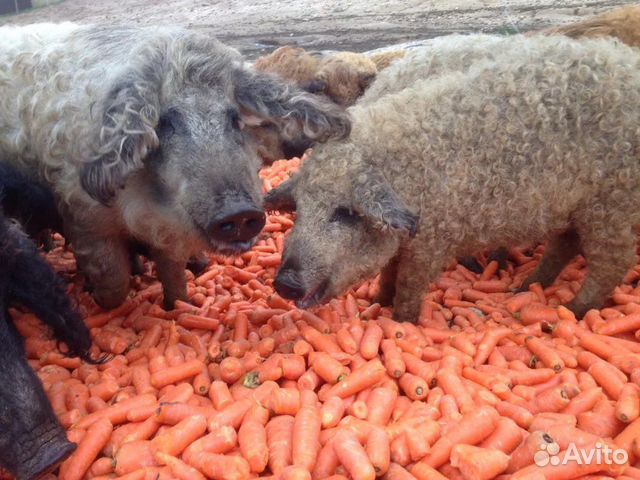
x,y
296,112
281,198
125,132
374,198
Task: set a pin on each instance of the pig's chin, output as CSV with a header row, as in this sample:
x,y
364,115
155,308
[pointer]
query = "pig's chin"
x,y
314,296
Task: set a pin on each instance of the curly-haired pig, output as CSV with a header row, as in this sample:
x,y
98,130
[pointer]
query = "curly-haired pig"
x,y
139,131
540,143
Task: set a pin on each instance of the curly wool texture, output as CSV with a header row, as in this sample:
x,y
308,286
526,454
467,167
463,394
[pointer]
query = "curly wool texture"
x,y
450,53
138,131
52,78
341,76
622,23
385,59
539,140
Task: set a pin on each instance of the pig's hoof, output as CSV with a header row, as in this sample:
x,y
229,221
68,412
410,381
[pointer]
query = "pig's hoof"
x,y
197,265
137,265
470,263
385,298
45,460
401,316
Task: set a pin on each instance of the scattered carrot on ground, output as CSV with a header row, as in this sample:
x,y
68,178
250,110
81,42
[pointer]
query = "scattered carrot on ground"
x,y
240,384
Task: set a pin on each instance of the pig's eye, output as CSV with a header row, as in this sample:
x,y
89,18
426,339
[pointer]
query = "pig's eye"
x,y
168,123
345,215
233,117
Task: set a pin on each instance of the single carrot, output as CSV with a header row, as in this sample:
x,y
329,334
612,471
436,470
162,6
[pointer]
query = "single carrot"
x,y
77,465
353,456
179,469
378,450
252,438
628,404
506,437
306,431
279,438
174,440
546,354
177,373
393,361
452,384
221,440
479,463
331,412
364,377
328,368
221,467
371,339
413,386
220,395
381,403
472,428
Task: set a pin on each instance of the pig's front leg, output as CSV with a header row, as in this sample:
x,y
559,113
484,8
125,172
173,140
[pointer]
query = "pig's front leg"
x,y
415,272
106,262
388,279
171,274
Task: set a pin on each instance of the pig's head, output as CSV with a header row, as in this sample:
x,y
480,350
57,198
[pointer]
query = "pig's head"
x,y
349,224
174,126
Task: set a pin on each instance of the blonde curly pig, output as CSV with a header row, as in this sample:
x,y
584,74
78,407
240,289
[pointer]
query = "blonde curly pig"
x,y
539,143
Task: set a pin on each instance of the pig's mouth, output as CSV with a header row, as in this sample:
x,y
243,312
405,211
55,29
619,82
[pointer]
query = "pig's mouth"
x,y
231,248
314,296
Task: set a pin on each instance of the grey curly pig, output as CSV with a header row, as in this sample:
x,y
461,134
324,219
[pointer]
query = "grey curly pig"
x,y
140,133
538,144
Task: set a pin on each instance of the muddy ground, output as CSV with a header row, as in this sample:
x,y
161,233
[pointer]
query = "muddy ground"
x,y
258,26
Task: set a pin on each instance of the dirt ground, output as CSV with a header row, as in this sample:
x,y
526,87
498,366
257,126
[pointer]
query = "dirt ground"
x,y
258,26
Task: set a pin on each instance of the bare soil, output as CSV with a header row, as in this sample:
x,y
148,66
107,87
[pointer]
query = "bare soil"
x,y
256,27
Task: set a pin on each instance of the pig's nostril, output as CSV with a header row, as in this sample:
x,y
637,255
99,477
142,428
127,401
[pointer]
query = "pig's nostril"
x,y
227,227
238,226
289,287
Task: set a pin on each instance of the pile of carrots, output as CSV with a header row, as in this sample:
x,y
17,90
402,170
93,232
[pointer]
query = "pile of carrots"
x,y
240,384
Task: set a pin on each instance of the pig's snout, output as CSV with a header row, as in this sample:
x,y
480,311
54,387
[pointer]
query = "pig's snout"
x,y
240,223
295,148
289,285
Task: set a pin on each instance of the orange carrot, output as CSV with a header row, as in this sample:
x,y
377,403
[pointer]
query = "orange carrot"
x,y
220,395
413,386
393,361
506,437
479,463
452,384
221,467
174,440
327,368
364,377
178,468
306,431
378,450
371,339
221,440
380,405
628,405
353,456
279,438
331,412
175,374
77,465
548,355
252,438
472,428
